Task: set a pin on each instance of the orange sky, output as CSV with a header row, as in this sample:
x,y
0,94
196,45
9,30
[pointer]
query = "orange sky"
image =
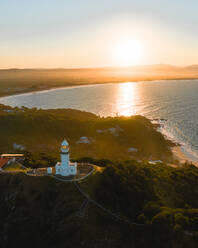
x,y
94,34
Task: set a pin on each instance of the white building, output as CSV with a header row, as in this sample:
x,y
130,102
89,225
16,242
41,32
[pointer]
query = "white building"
x,y
49,170
65,167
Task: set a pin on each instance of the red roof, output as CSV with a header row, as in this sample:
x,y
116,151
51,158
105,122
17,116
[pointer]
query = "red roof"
x,y
3,161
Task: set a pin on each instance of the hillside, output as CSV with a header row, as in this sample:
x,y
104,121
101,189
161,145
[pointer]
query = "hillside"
x,y
156,205
40,132
124,204
15,81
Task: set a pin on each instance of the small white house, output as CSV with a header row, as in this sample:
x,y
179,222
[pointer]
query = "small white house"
x,y
84,140
132,149
65,167
18,147
155,162
49,170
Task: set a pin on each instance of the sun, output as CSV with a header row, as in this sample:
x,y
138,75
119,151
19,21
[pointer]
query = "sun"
x,y
128,52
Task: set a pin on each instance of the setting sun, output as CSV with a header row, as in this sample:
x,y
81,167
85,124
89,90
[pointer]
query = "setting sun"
x,y
128,52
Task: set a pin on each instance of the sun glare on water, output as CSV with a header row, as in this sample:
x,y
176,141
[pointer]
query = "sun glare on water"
x,y
128,52
127,96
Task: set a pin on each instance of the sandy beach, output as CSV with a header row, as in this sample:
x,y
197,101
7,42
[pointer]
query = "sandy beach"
x,y
179,155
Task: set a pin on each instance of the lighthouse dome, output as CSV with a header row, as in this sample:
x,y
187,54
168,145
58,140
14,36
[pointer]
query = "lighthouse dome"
x,y
65,143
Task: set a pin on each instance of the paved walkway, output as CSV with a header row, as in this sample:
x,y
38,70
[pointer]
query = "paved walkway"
x,y
74,179
82,209
115,216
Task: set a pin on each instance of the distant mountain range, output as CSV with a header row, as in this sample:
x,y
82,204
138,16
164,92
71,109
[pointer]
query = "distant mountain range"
x,y
15,81
138,67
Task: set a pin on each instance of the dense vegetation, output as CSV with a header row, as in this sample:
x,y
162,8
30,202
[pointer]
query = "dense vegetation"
x,y
40,133
42,212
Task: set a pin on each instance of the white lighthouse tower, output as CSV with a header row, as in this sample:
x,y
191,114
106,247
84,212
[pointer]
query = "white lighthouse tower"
x,y
65,167
64,154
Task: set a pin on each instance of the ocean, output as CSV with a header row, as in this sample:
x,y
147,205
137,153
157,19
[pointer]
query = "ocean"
x,y
175,102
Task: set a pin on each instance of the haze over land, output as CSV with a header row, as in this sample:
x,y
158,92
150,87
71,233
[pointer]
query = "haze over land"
x,y
14,81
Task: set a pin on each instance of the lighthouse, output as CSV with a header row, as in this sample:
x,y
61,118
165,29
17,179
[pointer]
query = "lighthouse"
x,y
64,154
65,167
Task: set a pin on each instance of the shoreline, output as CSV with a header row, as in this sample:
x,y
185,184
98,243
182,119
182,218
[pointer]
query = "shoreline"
x,y
85,84
50,89
178,151
180,155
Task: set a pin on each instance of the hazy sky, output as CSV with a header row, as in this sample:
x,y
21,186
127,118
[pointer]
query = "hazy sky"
x,y
83,33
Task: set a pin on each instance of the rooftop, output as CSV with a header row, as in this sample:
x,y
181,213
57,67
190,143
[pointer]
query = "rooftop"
x,y
12,155
3,161
64,143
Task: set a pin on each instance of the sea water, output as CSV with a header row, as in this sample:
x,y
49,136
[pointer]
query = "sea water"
x,y
174,101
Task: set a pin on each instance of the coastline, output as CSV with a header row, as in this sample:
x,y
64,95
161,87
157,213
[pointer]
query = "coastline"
x,y
50,89
85,84
179,155
178,151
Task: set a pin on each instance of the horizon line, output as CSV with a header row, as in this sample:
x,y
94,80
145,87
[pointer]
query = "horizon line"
x,y
95,67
